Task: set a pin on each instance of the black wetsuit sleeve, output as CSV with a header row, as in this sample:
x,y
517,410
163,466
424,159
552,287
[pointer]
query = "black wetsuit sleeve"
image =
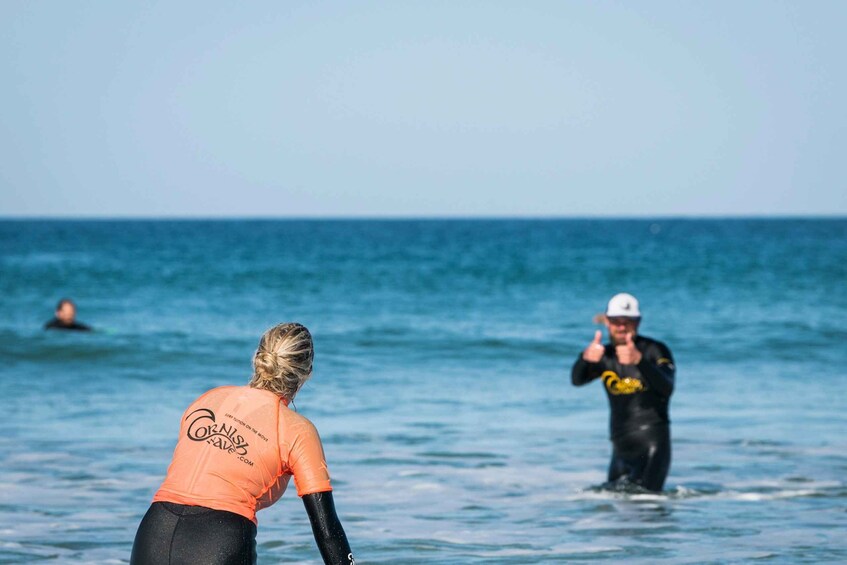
x,y
658,368
329,534
584,372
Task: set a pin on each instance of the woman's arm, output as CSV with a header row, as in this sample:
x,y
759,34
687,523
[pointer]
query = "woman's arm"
x,y
329,534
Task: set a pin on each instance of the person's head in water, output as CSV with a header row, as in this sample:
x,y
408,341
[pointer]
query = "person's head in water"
x,y
622,317
66,311
283,361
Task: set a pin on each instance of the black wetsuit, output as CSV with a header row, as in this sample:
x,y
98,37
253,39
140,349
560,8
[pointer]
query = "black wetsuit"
x,y
57,324
638,400
176,534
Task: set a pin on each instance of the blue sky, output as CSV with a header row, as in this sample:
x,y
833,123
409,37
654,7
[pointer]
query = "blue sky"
x,y
218,109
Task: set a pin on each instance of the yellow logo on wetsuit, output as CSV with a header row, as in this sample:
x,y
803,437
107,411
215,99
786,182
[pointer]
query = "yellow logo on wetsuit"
x,y
615,385
665,361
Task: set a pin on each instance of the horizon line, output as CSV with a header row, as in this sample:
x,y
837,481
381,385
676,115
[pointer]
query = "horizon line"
x,y
401,217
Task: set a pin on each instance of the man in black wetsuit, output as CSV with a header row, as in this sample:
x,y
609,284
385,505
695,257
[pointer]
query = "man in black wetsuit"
x,y
65,318
638,375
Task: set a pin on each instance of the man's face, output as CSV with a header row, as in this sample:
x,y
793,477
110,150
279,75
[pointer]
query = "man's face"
x,y
619,327
66,313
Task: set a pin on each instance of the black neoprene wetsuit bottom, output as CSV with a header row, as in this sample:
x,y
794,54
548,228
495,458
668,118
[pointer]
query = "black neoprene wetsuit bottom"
x,y
642,457
178,534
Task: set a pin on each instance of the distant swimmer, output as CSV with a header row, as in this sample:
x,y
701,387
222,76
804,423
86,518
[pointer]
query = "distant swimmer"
x,y
638,375
238,447
65,318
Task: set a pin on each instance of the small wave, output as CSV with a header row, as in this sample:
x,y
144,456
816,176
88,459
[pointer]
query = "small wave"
x,y
407,439
385,461
558,552
460,455
757,443
428,487
755,496
705,491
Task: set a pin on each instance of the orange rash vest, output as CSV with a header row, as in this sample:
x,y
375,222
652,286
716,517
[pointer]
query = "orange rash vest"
x,y
238,447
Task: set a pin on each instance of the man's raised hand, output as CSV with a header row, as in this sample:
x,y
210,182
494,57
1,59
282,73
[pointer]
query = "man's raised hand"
x,y
627,353
594,352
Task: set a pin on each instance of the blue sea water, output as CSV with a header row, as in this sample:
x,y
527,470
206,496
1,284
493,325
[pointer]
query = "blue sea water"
x,y
441,386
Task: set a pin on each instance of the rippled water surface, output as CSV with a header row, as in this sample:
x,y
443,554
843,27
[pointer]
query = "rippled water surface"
x,y
441,386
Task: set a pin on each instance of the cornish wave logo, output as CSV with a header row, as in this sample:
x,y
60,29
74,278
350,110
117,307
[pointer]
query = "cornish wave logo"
x,y
203,427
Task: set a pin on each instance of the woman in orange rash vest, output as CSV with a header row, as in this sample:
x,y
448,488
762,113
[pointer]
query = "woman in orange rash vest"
x,y
238,447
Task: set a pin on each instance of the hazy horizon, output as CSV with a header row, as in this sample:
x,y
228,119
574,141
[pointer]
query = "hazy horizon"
x,y
679,217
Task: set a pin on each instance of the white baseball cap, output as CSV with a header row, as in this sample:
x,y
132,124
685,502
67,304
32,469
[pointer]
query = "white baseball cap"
x,y
623,305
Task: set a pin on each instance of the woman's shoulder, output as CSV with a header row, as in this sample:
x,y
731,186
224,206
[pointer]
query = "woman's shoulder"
x,y
289,416
293,424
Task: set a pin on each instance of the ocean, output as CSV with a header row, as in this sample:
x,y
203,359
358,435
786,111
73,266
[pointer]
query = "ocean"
x,y
442,382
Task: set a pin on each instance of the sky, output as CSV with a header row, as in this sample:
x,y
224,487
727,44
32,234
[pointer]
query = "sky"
x,y
423,109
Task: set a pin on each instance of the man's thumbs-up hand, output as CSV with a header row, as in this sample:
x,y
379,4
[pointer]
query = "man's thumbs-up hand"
x,y
627,353
594,352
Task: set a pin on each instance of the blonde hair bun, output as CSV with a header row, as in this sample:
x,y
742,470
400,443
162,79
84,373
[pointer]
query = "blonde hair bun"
x,y
283,360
